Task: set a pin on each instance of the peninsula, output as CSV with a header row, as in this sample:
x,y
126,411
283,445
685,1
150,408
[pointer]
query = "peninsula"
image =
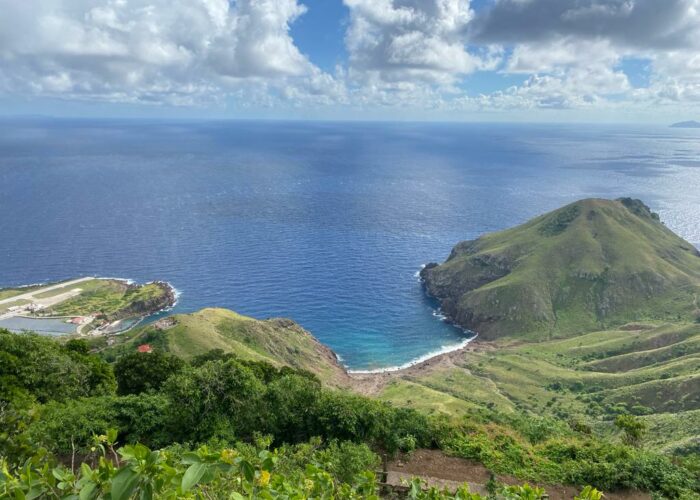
x,y
87,305
591,265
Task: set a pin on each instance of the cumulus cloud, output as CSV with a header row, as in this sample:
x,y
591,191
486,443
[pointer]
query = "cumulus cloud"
x,y
146,50
639,24
573,50
412,41
400,53
573,88
675,80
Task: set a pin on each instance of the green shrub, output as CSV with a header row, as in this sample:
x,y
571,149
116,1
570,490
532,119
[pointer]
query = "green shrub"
x,y
632,428
145,372
36,368
63,427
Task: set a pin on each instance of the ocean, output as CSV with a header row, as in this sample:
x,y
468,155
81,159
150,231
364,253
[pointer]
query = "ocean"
x,y
324,223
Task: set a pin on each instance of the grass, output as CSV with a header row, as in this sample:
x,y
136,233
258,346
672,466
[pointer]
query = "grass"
x,y
277,341
406,394
6,293
674,432
6,306
559,378
464,385
590,266
108,297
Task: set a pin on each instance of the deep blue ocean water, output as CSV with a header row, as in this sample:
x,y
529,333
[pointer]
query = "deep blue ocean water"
x,y
325,223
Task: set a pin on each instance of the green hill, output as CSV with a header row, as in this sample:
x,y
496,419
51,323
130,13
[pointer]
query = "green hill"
x,y
591,265
276,341
647,370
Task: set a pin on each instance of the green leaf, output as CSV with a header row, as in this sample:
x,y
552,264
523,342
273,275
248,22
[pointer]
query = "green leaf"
x,y
87,492
35,492
127,452
146,492
192,475
236,496
248,471
191,458
124,484
85,470
112,436
58,473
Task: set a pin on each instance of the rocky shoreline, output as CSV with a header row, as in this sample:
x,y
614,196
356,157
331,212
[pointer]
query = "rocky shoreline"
x,y
144,308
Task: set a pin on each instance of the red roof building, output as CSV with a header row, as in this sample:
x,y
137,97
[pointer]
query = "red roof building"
x,y
145,348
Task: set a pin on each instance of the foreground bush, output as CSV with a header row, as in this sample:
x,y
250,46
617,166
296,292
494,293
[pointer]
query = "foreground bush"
x,y
137,472
569,458
220,399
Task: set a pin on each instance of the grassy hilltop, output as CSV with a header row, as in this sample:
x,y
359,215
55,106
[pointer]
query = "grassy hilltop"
x,y
591,265
276,341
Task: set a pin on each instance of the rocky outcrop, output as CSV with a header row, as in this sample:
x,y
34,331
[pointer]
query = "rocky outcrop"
x,y
164,300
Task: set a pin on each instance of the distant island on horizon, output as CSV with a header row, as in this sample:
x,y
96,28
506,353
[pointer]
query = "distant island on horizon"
x,y
686,124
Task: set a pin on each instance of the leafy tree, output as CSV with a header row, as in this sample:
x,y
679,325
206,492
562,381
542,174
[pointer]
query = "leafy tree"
x,y
632,427
80,346
145,372
36,368
63,427
213,355
219,399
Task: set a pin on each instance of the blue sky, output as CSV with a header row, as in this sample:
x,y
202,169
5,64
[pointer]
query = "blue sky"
x,y
508,60
319,33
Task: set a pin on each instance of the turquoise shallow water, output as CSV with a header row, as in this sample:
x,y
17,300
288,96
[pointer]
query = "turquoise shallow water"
x,y
325,223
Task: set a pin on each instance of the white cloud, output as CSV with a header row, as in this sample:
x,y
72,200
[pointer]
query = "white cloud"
x,y
411,41
572,88
177,51
675,80
633,24
560,53
401,53
573,50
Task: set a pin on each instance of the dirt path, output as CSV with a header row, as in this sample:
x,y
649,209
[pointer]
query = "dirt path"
x,y
443,471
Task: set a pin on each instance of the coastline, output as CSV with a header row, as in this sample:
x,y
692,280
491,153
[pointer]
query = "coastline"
x,y
428,359
420,360
371,383
130,317
172,294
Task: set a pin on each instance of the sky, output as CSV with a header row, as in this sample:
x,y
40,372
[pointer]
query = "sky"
x,y
489,60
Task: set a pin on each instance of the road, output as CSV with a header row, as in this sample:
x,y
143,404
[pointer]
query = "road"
x,y
30,295
44,301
